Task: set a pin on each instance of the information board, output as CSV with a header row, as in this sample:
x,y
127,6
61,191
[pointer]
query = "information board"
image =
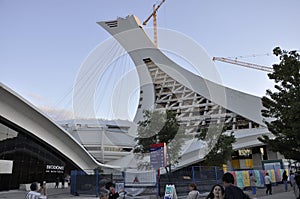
x,y
158,155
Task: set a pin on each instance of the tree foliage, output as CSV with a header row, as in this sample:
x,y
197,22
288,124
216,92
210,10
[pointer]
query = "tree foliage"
x,y
282,106
158,127
219,144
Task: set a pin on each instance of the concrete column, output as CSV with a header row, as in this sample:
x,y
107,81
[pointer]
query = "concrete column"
x,y
256,158
271,154
229,165
250,125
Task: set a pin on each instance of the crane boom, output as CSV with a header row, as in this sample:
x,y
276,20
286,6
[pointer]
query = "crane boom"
x,y
153,14
246,64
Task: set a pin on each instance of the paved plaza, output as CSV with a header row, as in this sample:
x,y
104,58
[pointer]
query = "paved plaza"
x,y
278,193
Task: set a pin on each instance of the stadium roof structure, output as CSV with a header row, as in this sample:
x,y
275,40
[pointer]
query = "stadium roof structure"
x,y
197,102
149,59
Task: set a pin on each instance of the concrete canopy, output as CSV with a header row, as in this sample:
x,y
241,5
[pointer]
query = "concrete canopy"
x,y
23,114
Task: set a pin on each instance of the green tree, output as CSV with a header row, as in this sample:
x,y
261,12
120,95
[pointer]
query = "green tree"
x,y
219,144
282,107
158,127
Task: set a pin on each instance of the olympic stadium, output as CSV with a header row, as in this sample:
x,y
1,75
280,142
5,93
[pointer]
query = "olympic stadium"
x,y
34,146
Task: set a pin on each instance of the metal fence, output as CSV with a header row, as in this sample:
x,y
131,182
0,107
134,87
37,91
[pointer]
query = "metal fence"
x,y
82,183
203,177
147,184
141,183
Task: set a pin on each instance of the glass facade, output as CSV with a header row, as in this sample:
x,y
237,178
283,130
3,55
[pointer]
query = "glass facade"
x,y
33,159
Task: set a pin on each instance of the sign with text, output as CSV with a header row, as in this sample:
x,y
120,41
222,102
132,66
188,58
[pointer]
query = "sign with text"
x,y
54,168
158,155
170,192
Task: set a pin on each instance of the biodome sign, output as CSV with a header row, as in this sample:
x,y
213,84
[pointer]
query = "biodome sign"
x,y
54,168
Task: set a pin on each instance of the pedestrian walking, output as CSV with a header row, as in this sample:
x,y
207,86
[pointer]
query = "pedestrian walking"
x,y
293,183
216,192
253,185
268,183
57,182
232,191
297,180
285,180
62,182
193,192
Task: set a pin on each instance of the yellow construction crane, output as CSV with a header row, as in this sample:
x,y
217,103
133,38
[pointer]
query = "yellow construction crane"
x,y
245,64
153,14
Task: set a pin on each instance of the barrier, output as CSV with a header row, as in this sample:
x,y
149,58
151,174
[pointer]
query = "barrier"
x,y
82,183
145,183
140,183
203,176
242,178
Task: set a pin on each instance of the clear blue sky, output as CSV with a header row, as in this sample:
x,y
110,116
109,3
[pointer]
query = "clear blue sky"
x,y
43,43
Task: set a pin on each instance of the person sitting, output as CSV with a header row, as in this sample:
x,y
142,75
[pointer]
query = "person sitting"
x,y
36,192
216,192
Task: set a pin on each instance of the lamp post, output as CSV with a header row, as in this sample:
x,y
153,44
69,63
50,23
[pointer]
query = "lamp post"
x,y
102,143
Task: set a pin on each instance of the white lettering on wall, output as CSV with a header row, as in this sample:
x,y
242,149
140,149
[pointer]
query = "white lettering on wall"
x,y
54,167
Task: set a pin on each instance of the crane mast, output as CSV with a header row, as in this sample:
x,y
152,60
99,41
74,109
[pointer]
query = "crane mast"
x,y
153,14
245,64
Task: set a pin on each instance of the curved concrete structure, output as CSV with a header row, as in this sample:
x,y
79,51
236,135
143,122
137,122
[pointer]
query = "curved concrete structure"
x,y
129,33
21,113
198,102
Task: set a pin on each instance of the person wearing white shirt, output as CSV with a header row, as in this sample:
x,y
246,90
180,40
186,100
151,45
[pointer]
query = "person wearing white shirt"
x,y
194,193
268,183
35,192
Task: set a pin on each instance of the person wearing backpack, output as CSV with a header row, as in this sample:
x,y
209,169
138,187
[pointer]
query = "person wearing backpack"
x,y
194,193
231,191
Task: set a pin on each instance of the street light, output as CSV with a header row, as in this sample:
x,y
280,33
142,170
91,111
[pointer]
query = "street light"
x,y
102,143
